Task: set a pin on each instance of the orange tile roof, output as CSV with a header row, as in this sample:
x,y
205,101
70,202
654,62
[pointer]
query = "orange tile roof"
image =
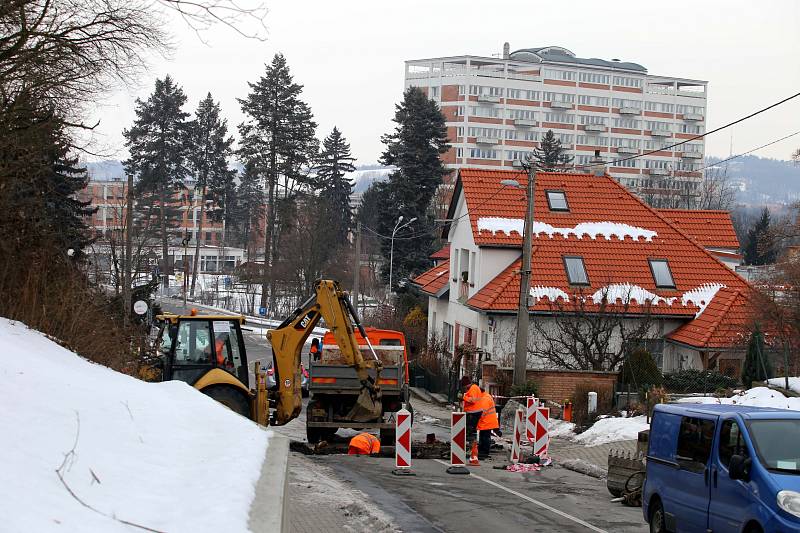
x,y
725,323
435,280
712,229
443,253
613,261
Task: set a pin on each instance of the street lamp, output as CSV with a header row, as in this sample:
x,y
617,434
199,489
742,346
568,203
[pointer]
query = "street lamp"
x,y
521,346
397,227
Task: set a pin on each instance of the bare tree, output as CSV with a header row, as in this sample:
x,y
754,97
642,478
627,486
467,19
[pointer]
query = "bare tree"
x,y
716,190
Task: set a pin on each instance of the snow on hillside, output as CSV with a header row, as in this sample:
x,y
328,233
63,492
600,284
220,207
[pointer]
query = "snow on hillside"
x,y
160,455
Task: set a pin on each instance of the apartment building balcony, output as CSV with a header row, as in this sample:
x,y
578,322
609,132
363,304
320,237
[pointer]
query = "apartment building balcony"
x,y
488,99
627,150
487,140
659,172
523,122
692,155
630,111
463,291
694,117
594,127
560,105
660,133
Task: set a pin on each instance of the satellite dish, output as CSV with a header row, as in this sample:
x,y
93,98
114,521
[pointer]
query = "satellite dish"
x,y
140,307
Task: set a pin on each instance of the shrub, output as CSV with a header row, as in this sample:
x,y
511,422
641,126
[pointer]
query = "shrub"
x,y
693,380
757,366
527,389
641,371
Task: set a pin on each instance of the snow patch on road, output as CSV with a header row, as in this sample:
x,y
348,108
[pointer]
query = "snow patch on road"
x,y
161,455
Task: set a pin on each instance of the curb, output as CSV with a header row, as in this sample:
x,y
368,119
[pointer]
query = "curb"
x,y
269,509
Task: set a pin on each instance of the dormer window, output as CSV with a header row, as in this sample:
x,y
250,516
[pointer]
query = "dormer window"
x,y
662,273
576,270
557,200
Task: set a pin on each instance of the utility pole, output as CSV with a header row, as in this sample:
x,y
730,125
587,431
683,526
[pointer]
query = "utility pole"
x,y
521,349
357,265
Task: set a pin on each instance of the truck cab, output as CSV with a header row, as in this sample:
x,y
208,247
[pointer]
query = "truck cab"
x,y
723,468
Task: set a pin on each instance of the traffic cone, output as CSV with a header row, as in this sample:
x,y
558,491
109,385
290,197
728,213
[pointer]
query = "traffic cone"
x,y
473,455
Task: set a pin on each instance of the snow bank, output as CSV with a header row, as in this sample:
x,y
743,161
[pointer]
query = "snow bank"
x,y
592,229
794,383
612,429
755,397
159,455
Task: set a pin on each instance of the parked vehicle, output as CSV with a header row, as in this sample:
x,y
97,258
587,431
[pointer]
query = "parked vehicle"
x,y
723,468
272,385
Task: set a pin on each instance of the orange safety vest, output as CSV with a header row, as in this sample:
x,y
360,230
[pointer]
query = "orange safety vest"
x,y
364,444
489,418
471,398
220,358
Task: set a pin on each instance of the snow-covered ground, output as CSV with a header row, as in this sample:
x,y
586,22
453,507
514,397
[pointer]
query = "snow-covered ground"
x,y
756,397
794,383
85,448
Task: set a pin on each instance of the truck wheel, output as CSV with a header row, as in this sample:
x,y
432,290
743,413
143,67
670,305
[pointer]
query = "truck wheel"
x,y
230,398
313,435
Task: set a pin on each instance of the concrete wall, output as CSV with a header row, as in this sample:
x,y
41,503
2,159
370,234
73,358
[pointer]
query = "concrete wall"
x,y
269,509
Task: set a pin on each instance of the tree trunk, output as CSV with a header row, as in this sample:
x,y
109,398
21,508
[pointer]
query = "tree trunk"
x,y
270,222
197,241
164,243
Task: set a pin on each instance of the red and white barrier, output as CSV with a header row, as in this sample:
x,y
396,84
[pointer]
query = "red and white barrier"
x,y
516,438
542,442
402,448
530,419
458,443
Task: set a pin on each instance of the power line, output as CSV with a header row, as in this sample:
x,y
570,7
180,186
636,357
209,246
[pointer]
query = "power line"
x,y
696,137
750,151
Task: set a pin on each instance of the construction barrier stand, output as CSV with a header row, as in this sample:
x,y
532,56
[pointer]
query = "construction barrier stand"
x,y
542,442
516,438
458,443
402,449
530,419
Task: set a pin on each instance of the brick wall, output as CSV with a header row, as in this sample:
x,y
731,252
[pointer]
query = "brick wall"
x,y
553,385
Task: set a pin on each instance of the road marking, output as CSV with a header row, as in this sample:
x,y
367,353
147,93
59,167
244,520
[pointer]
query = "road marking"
x,y
535,502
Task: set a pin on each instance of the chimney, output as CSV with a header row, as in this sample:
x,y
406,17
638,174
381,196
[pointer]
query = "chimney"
x,y
598,166
506,50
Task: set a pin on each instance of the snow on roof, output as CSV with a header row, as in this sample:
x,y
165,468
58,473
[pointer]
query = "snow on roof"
x,y
551,293
701,296
628,293
592,229
434,281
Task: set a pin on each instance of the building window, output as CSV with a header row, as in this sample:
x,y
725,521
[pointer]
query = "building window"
x,y
593,119
459,152
628,143
554,74
576,271
460,111
482,111
629,123
492,133
662,274
594,77
659,107
557,200
696,129
482,153
524,114
462,90
561,118
447,333
460,131
625,81
517,155
624,102
601,101
592,140
548,96
625,162
655,125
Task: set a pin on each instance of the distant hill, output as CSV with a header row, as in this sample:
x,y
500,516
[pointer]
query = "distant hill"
x,y
763,180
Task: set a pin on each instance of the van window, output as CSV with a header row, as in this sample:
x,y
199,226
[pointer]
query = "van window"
x,y
776,444
694,443
730,442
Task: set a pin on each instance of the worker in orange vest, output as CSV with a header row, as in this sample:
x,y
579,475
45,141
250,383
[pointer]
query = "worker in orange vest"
x,y
364,444
486,424
314,352
471,396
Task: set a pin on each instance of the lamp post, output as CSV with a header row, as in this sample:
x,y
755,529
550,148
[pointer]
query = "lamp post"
x,y
521,346
397,227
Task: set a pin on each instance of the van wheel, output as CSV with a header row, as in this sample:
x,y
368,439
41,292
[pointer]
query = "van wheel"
x,y
657,522
754,528
230,398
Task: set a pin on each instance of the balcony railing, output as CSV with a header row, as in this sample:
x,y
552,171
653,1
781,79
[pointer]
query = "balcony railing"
x,y
594,127
692,155
463,291
661,133
525,122
561,105
627,150
630,111
695,117
489,99
487,140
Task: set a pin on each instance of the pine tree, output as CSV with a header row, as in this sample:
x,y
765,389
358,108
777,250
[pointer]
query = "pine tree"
x,y
759,248
551,156
277,137
418,140
333,162
209,148
757,366
158,156
245,209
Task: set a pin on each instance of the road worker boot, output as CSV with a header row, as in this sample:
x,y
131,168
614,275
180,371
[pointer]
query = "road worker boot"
x,y
473,455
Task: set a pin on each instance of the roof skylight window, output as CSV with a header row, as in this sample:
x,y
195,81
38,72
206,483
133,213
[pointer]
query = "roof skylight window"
x,y
576,271
662,273
557,200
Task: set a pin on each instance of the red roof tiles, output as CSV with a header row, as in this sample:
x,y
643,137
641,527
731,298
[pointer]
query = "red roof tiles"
x,y
443,253
435,280
612,261
723,324
712,229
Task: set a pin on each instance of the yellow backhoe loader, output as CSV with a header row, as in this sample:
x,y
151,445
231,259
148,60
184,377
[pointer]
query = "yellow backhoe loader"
x,y
208,352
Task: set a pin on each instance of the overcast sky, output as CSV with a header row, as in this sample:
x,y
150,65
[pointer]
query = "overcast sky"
x,y
349,56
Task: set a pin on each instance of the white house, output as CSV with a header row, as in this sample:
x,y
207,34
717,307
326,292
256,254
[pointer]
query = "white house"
x,y
597,249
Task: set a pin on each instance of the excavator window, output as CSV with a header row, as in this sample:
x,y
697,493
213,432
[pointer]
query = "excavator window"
x,y
228,354
192,350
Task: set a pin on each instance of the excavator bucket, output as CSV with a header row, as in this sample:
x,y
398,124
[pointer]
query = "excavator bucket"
x,y
367,408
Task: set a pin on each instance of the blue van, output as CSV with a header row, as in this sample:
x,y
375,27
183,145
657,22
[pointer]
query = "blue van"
x,y
723,468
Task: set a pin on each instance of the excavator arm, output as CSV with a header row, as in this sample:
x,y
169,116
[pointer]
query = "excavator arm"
x,y
330,303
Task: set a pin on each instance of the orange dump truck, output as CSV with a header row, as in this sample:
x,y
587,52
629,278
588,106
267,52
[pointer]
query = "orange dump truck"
x,y
334,386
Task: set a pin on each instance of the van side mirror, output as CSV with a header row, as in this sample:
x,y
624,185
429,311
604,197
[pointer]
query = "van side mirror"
x,y
739,467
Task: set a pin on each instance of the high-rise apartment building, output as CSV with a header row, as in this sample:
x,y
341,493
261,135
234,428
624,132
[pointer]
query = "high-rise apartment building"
x,y
497,110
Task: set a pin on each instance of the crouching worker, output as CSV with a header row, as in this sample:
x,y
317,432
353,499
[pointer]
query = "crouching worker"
x,y
364,444
487,422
